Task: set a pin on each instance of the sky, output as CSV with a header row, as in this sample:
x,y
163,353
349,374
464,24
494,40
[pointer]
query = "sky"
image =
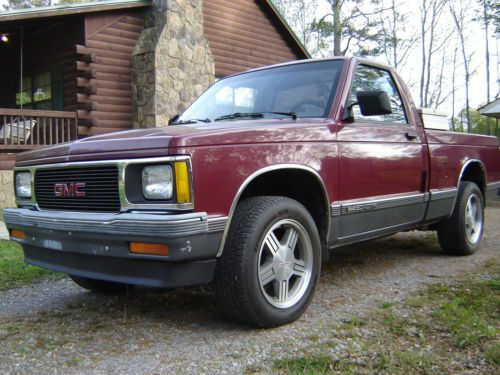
x,y
475,42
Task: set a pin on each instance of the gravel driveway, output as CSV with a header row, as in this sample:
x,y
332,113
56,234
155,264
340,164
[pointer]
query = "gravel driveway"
x,y
57,327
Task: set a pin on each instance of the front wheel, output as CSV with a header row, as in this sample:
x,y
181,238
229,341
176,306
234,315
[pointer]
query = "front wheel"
x,y
461,233
268,271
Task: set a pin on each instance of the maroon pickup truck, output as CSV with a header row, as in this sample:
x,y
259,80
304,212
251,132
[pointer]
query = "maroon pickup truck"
x,y
252,186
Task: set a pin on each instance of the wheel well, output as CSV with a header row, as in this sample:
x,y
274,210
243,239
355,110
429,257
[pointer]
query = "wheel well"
x,y
474,172
296,184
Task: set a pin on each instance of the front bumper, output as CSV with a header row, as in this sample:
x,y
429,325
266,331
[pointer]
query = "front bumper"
x,y
96,245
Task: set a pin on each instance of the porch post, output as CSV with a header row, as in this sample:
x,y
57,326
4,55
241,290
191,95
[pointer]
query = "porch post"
x,y
21,62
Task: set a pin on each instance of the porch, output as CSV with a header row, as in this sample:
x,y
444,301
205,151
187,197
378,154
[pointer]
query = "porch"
x,y
27,129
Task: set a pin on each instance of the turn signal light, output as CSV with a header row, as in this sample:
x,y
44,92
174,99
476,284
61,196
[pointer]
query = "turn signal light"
x,y
182,182
19,234
148,248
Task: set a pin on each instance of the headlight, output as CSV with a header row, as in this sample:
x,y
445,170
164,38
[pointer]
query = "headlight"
x,y
157,182
23,185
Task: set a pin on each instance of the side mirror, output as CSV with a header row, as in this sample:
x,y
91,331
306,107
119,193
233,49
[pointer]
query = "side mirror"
x,y
374,103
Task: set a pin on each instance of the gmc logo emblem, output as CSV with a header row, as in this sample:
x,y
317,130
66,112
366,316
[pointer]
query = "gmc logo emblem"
x,y
69,190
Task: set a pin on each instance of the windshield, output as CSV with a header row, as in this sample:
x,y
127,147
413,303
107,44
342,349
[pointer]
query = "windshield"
x,y
299,90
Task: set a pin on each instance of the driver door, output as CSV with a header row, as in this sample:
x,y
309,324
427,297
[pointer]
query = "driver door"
x,y
381,164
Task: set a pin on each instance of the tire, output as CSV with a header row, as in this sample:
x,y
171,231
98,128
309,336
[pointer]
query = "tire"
x,y
461,233
99,286
262,232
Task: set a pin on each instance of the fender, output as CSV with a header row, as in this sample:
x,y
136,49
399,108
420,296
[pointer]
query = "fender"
x,y
460,176
262,171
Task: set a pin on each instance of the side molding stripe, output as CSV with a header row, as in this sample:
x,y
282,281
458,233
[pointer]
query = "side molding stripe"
x,y
376,204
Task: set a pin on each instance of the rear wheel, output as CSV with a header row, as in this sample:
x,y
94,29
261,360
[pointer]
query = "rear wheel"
x,y
461,233
99,286
268,271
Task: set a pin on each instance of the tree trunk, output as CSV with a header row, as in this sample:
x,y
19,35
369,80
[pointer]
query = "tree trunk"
x,y
337,29
422,34
488,93
453,86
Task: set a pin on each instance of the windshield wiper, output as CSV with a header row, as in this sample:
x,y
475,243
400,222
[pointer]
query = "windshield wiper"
x,y
191,121
240,115
254,115
293,115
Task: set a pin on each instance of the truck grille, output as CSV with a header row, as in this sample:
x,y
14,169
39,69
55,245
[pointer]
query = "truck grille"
x,y
86,189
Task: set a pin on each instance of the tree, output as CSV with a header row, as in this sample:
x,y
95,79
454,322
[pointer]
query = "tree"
x,y
300,15
485,16
431,43
459,12
348,25
477,124
23,4
396,47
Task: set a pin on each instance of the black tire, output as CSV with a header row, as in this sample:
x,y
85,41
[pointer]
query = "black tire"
x,y
239,287
99,286
453,233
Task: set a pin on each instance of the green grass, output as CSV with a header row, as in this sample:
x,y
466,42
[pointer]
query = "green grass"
x,y
439,330
469,311
13,271
314,365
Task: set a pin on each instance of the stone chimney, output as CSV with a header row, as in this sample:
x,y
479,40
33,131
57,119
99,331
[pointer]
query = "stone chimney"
x,y
171,64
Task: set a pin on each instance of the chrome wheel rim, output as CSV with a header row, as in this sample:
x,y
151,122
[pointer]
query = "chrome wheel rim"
x,y
285,263
473,219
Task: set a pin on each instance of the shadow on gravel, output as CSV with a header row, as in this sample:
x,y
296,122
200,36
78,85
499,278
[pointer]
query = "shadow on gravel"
x,y
189,308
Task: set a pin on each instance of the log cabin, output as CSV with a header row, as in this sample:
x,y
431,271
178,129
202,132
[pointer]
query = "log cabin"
x,y
73,71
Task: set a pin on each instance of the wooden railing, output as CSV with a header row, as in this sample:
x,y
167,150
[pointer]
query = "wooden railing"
x,y
24,129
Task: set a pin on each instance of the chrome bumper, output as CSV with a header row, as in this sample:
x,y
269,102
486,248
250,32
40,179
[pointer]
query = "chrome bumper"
x,y
124,224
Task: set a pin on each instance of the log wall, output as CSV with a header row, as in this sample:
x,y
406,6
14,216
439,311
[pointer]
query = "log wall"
x,y
104,80
246,34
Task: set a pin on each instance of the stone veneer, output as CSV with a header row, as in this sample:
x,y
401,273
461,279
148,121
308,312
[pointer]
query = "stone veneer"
x,y
171,64
6,190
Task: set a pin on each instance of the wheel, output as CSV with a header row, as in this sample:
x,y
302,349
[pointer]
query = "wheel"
x,y
99,286
461,233
270,265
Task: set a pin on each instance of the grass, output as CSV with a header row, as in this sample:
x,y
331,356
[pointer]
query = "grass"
x,y
13,271
446,328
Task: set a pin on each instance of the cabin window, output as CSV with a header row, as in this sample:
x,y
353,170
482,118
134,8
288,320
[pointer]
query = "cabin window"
x,y
37,92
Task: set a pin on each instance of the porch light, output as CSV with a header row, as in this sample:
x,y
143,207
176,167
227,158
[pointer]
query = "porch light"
x,y
4,38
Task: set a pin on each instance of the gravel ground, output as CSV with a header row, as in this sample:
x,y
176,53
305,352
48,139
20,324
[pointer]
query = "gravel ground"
x,y
65,329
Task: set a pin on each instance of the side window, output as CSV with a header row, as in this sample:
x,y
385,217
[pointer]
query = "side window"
x,y
369,78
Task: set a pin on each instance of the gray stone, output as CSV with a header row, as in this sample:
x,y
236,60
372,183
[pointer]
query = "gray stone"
x,y
7,198
172,63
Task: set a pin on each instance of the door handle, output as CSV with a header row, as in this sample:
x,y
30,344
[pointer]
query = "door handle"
x,y
411,135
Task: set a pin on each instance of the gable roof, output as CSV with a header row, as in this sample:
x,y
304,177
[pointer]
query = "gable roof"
x,y
492,109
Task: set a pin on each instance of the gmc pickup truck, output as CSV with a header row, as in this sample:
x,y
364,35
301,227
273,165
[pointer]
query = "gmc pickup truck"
x,y
253,186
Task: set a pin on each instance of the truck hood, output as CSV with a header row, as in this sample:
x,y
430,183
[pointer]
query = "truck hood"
x,y
162,141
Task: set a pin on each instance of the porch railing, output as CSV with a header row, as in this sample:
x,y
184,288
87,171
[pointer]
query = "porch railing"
x,y
24,129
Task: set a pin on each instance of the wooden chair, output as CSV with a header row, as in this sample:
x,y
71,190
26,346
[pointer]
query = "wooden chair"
x,y
18,131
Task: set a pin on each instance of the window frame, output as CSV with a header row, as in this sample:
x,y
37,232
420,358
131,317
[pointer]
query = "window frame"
x,y
396,86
